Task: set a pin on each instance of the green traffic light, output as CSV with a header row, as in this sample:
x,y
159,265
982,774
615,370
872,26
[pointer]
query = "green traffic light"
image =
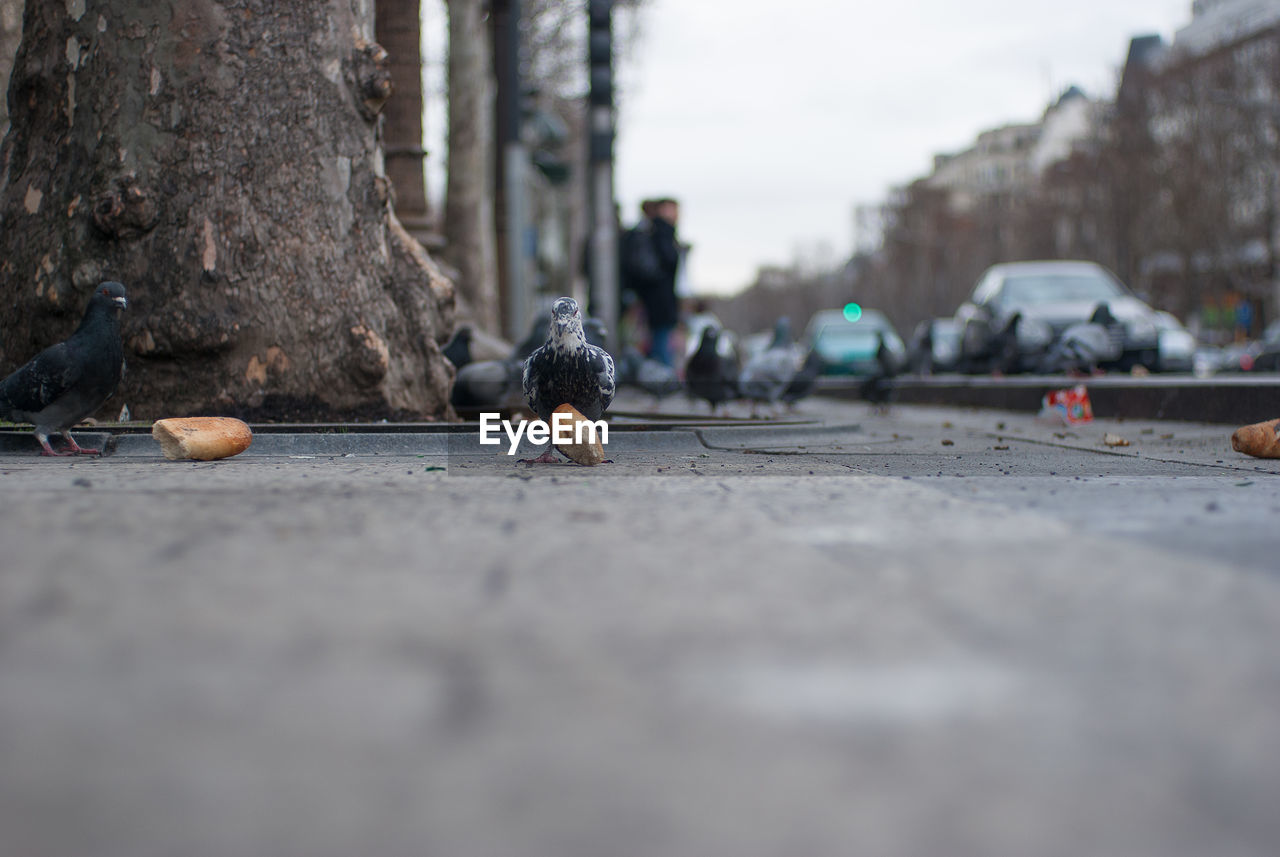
x,y
852,312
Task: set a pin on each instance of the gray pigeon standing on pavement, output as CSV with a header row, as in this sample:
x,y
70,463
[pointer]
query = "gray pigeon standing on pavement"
x,y
766,375
568,370
653,377
67,382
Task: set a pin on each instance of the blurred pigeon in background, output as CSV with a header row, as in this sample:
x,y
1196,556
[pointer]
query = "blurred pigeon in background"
x,y
710,375
653,377
67,382
1004,347
1084,345
877,388
488,384
805,379
596,332
536,336
767,374
459,348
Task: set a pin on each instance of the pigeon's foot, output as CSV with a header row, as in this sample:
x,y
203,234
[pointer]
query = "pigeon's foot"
x,y
77,449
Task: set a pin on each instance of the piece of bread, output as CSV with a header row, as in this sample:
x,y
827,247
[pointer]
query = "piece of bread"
x,y
201,438
1261,440
590,451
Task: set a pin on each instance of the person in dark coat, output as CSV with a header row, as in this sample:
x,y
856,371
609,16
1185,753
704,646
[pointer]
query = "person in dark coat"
x,y
650,257
661,304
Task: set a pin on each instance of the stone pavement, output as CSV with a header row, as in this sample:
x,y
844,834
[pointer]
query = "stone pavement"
x,y
931,632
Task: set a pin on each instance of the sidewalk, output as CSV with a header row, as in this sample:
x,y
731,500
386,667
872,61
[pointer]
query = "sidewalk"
x,y
847,634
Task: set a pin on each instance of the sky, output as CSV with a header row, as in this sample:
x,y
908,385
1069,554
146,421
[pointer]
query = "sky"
x,y
771,122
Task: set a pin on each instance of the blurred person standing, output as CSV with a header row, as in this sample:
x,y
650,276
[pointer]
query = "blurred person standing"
x,y
651,256
639,272
660,301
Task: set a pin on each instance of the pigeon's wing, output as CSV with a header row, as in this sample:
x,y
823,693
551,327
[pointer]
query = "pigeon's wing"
x,y
530,381
49,376
602,366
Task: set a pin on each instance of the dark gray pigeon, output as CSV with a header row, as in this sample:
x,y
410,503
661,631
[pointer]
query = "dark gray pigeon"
x,y
877,388
568,370
708,374
766,375
67,382
536,337
805,380
459,348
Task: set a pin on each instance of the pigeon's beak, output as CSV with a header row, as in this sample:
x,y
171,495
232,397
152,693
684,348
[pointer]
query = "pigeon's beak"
x,y
120,302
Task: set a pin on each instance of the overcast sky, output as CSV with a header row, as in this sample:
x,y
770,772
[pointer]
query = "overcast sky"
x,y
771,121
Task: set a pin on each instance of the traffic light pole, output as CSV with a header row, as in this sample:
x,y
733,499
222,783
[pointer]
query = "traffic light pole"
x,y
511,160
603,256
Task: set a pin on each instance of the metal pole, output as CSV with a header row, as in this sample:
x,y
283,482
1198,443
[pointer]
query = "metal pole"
x,y
511,172
603,266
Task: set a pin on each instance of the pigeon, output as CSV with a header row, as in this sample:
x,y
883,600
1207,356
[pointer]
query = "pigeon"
x,y
767,374
805,379
67,382
710,375
653,377
878,386
536,337
1084,345
1004,347
459,348
568,370
596,332
487,384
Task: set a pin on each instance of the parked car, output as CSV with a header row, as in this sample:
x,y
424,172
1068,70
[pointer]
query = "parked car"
x,y
1029,304
848,347
1266,352
935,346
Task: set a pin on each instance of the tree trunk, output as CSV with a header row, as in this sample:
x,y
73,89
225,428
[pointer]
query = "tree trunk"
x,y
10,35
399,30
222,160
470,239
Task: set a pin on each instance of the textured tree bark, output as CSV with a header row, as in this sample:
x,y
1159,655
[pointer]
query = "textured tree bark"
x,y
469,228
10,35
399,31
222,160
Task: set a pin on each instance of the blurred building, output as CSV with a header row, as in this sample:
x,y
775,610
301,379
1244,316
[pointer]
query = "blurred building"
x,y
1217,23
1210,103
1006,163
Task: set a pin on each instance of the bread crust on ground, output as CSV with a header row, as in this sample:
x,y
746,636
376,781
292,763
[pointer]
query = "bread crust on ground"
x,y
201,438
